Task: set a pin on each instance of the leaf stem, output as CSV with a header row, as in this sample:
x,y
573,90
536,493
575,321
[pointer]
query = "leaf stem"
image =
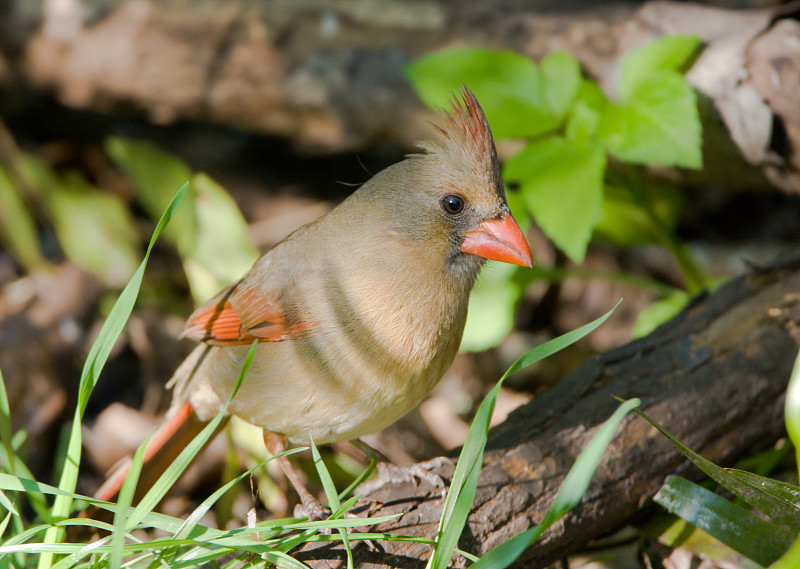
x,y
558,274
693,275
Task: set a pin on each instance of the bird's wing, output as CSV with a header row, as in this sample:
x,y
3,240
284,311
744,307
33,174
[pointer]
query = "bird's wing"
x,y
240,315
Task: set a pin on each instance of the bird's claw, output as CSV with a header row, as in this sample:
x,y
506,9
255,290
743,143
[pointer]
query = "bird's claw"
x,y
392,474
311,508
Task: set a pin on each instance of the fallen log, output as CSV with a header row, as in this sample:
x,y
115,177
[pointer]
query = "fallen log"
x,y
715,377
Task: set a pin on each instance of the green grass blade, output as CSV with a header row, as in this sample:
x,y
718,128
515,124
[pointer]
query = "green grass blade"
x,y
6,503
361,477
95,361
557,344
124,502
171,474
6,430
194,518
12,483
325,477
282,560
769,492
577,480
572,490
509,551
465,478
9,458
332,495
752,536
749,488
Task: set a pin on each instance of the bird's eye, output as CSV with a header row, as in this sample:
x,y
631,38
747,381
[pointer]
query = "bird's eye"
x,y
452,204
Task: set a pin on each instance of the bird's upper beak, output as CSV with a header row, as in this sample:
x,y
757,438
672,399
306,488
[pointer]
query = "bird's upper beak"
x,y
499,240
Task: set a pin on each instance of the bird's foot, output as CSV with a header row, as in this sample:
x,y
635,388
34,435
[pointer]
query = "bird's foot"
x,y
392,474
311,508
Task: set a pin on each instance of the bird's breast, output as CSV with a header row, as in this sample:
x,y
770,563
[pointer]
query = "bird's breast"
x,y
378,345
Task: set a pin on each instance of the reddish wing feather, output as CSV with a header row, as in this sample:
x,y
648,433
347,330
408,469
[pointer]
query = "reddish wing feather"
x,y
239,316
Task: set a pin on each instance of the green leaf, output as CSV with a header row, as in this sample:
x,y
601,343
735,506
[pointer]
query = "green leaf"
x,y
750,488
490,316
561,75
510,87
582,123
210,232
759,539
584,117
791,409
17,229
783,502
155,175
562,184
222,251
590,94
656,124
659,312
625,220
671,53
790,559
95,229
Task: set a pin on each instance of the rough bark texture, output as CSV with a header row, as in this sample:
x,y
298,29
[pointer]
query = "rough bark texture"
x,y
715,377
329,75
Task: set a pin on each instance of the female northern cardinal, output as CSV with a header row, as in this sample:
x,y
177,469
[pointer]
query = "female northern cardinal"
x,y
359,313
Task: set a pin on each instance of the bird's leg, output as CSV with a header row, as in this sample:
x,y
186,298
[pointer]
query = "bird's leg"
x,y
276,444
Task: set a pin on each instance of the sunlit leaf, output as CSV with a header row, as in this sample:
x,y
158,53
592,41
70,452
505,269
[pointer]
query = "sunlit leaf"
x,y
95,229
155,175
561,77
757,495
490,316
510,87
223,251
659,312
17,229
757,538
657,124
792,407
562,185
210,231
671,53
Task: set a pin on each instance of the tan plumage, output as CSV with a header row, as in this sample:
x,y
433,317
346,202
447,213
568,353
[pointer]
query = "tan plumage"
x,y
360,312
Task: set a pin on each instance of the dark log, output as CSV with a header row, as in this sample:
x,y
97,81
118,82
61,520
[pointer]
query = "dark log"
x,y
329,76
715,377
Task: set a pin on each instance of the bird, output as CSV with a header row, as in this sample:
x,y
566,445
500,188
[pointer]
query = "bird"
x,y
357,315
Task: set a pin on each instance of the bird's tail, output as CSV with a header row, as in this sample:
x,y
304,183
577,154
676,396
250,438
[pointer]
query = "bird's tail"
x,y
179,429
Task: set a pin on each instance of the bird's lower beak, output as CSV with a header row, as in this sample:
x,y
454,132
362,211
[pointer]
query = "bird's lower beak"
x,y
499,240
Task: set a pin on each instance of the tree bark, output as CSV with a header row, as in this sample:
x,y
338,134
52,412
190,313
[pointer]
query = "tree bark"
x,y
715,377
329,75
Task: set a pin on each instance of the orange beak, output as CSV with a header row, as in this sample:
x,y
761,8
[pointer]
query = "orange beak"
x,y
499,240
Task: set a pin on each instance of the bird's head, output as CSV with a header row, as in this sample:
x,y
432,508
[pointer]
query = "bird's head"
x,y
463,190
